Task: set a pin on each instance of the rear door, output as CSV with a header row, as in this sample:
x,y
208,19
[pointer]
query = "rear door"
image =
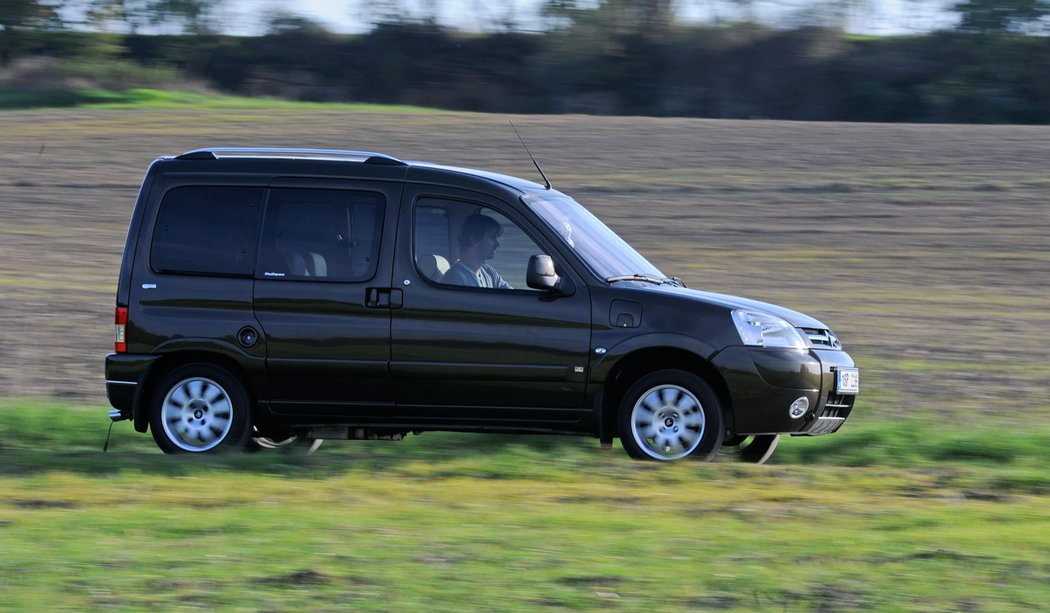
x,y
191,285
324,250
497,356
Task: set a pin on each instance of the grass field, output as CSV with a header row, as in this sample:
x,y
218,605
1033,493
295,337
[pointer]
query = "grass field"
x,y
460,522
924,247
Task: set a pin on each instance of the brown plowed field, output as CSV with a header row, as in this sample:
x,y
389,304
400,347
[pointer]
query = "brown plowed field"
x,y
926,247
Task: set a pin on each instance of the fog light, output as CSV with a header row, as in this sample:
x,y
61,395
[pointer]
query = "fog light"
x,y
799,408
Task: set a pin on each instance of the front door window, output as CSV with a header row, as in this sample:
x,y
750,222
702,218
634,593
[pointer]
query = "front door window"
x,y
469,245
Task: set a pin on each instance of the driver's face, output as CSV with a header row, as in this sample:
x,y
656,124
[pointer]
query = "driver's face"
x,y
488,244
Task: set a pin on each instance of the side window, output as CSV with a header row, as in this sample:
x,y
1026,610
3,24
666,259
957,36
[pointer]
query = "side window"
x,y
466,244
207,230
321,235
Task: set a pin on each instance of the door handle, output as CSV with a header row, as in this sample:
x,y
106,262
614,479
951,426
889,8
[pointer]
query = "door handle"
x,y
383,298
372,298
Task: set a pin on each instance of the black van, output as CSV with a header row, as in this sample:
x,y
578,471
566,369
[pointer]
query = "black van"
x,y
271,297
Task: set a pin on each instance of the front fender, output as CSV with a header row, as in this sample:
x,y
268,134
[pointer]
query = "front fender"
x,y
603,363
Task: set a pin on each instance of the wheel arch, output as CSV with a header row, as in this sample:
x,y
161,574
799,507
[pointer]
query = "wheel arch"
x,y
169,362
641,362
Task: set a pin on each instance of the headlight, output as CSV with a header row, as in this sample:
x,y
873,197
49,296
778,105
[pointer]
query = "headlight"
x,y
765,330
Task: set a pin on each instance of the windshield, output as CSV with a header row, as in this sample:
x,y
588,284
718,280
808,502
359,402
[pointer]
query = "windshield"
x,y
600,248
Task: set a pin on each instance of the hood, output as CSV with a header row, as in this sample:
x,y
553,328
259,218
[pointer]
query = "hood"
x,y
799,320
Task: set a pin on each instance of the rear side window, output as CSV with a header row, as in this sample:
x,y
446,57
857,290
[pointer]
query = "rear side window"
x,y
321,235
207,230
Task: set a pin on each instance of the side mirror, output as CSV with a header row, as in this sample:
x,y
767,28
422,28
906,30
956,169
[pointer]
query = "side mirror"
x,y
541,274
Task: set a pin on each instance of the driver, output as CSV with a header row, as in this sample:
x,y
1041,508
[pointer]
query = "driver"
x,y
478,242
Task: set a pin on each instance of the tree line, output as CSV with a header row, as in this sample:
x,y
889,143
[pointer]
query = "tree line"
x,y
611,57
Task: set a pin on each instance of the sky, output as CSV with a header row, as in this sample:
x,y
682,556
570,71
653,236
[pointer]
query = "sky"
x,y
864,16
345,17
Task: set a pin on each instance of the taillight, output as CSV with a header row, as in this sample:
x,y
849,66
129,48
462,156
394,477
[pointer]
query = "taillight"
x,y
120,343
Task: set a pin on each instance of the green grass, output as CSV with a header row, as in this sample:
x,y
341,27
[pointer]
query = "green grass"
x,y
39,436
163,99
882,517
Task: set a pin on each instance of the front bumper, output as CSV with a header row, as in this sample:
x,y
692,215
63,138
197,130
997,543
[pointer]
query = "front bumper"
x,y
763,383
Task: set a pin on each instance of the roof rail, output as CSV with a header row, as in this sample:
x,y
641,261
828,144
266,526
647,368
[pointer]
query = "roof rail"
x,y
215,153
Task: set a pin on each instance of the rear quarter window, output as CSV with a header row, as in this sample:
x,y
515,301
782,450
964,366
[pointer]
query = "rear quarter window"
x,y
207,230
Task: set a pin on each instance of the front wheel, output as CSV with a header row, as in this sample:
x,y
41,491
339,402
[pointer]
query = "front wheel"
x,y
199,408
668,415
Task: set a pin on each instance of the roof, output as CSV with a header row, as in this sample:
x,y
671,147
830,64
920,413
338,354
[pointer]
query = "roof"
x,y
214,153
508,180
366,157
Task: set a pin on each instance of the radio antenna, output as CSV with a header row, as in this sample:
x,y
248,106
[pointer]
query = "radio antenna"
x,y
546,181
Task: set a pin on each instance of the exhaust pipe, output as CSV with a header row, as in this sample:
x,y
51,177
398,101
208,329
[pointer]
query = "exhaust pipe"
x,y
117,415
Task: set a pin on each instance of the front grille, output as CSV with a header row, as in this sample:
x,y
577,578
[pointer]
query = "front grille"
x,y
837,408
837,405
822,337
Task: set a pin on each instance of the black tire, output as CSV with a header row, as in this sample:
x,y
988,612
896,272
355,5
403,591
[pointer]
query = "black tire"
x,y
289,443
200,408
668,415
750,449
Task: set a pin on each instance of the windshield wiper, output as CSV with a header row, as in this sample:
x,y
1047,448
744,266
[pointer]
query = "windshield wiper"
x,y
675,281
637,277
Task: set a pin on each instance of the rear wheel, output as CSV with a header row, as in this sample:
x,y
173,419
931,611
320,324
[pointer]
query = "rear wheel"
x,y
668,415
199,408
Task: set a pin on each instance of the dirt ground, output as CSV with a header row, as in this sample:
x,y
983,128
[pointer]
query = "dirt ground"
x,y
925,247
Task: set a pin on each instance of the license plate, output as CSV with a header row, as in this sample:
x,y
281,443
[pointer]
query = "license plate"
x,y
847,380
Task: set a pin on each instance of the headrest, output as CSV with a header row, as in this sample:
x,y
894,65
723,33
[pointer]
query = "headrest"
x,y
433,266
